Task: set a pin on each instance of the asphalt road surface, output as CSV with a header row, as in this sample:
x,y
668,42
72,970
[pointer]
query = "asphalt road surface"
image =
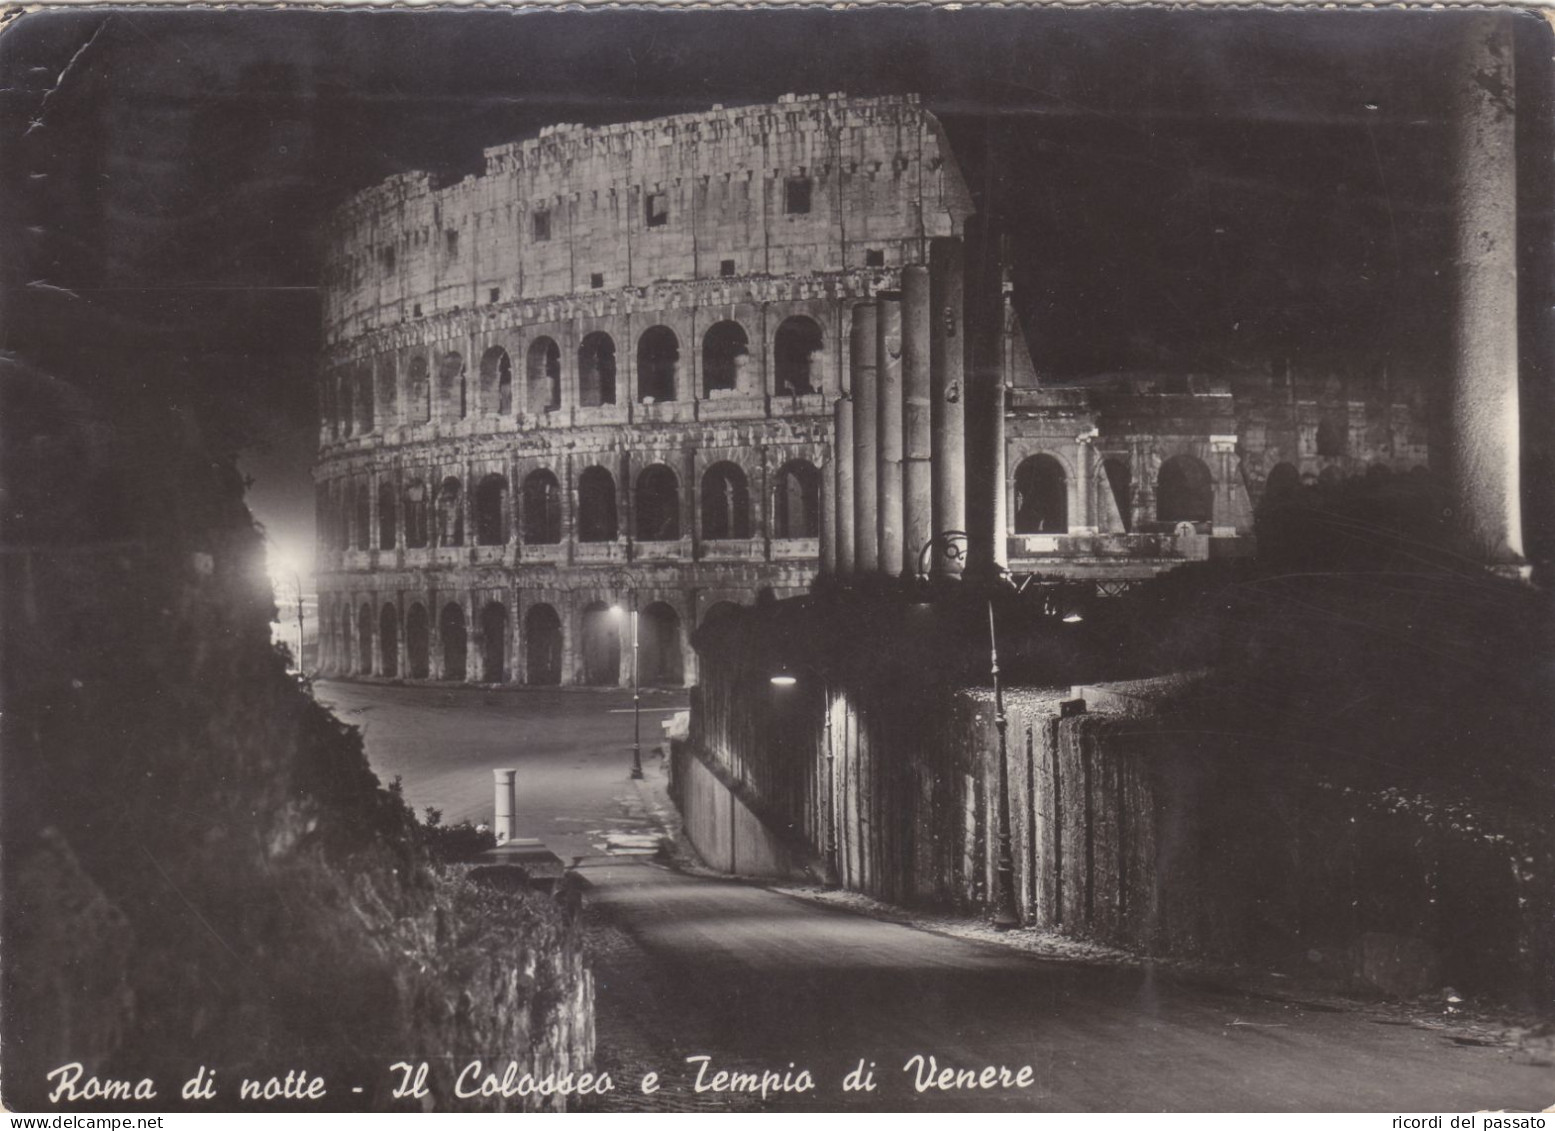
x,y
757,981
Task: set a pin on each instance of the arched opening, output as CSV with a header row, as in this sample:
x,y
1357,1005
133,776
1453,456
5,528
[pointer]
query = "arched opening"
x,y
417,642
542,509
659,661
718,610
389,641
450,514
543,376
597,370
364,640
388,391
601,646
1282,486
1184,491
796,501
1119,480
658,505
450,626
726,504
543,646
491,497
725,354
658,365
416,515
388,516
596,506
418,392
1041,496
364,400
347,413
1330,439
326,398
494,643
451,398
796,355
362,516
497,382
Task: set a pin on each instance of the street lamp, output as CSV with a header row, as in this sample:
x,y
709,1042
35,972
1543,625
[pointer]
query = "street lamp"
x,y
830,873
617,580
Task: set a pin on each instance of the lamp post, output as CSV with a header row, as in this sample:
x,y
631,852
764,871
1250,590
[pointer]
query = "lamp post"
x,y
619,580
1004,915
830,873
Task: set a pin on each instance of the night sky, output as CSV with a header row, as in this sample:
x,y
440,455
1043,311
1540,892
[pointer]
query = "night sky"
x,y
1186,191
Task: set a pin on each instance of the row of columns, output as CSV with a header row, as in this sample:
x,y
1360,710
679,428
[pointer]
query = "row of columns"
x,y
900,476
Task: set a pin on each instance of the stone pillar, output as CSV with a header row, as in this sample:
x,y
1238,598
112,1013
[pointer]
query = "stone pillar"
x,y
985,457
503,822
842,459
917,449
947,414
888,430
866,536
1483,442
1083,516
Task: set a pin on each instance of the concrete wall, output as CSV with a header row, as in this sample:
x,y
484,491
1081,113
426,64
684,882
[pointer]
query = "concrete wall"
x,y
726,833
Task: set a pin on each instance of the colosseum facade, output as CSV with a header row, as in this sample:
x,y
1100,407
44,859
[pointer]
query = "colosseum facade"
x,y
602,371
618,369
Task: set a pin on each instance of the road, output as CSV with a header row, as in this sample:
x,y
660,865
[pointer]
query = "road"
x,y
756,980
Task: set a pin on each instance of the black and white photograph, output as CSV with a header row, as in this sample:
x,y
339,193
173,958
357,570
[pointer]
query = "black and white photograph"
x,y
714,558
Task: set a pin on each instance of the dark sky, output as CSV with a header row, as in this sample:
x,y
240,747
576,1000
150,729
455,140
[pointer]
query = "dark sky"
x,y
1186,191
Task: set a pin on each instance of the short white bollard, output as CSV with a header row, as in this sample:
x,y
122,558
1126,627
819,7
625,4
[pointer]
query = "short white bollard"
x,y
503,823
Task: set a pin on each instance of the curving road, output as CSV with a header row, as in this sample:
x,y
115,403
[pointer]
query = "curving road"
x,y
757,981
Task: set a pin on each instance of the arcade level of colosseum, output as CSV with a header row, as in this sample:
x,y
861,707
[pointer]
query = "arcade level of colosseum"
x,y
614,368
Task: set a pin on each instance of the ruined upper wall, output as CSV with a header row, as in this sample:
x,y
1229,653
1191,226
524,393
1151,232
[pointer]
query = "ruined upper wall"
x,y
809,184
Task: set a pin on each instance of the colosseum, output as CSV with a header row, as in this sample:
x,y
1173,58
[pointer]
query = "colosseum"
x,y
619,370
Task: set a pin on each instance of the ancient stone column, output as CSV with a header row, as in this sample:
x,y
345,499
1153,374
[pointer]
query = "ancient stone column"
x,y
842,459
888,423
866,536
947,398
504,823
917,449
988,346
1483,447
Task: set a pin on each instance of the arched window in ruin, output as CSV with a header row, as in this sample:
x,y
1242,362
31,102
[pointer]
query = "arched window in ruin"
x,y
362,515
796,501
388,391
450,513
418,392
543,374
1184,491
364,400
725,354
491,498
596,506
416,515
1041,496
418,646
364,640
497,382
494,643
658,505
389,641
796,356
658,365
543,646
1330,439
659,660
597,370
726,504
346,411
601,646
450,627
388,524
326,391
541,504
451,397
1282,486
1118,481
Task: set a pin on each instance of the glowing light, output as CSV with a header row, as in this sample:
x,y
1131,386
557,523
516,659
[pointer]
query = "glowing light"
x,y
1073,618
783,679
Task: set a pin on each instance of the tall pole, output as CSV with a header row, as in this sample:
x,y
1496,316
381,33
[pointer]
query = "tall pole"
x,y
830,877
1004,915
302,638
637,717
